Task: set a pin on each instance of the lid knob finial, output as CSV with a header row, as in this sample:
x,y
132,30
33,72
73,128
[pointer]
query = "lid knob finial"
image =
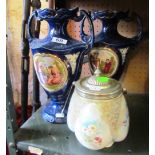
x,y
97,72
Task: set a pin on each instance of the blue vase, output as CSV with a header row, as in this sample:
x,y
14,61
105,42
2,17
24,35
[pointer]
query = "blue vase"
x,y
111,47
58,58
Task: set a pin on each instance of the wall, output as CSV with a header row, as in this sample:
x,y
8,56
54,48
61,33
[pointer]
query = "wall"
x,y
14,22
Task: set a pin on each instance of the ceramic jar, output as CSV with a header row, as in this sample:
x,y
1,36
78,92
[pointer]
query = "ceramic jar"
x,y
98,112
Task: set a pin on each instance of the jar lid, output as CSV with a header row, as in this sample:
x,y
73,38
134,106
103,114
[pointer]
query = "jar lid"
x,y
98,87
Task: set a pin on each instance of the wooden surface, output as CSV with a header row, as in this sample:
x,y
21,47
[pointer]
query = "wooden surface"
x,y
57,139
136,74
14,22
135,78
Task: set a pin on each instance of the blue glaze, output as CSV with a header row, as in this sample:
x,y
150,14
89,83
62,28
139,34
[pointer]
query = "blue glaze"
x,y
57,21
58,27
110,37
109,34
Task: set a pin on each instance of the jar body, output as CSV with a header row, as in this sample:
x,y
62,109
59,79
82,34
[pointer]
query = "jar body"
x,y
98,123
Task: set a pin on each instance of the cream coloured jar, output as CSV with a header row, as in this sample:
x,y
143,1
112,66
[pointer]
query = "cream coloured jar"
x,y
98,112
